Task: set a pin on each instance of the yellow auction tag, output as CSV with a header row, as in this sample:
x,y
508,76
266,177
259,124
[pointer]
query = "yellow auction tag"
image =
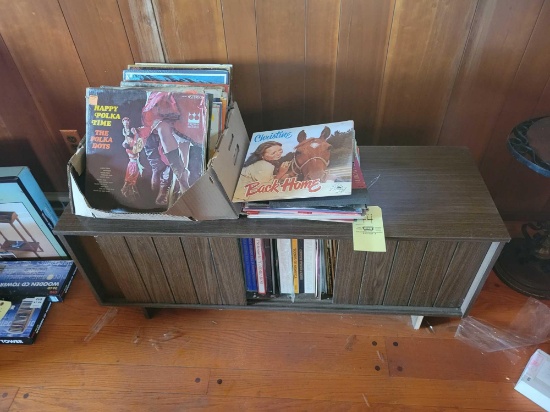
x,y
368,233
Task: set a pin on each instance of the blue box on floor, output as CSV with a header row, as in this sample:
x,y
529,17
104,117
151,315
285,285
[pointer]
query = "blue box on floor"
x,y
23,320
29,278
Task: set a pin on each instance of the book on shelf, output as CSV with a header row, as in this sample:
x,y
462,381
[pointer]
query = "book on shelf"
x,y
286,274
249,264
310,265
295,265
300,162
260,266
269,270
292,267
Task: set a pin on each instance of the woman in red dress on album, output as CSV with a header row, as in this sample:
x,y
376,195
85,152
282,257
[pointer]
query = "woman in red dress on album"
x,y
169,118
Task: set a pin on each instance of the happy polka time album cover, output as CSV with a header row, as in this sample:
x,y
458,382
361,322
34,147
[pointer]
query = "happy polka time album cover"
x,y
300,162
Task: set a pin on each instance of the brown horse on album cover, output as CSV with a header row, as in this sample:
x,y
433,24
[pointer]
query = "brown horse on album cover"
x,y
310,158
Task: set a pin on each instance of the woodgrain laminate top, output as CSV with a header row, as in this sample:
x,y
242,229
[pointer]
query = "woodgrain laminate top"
x,y
425,192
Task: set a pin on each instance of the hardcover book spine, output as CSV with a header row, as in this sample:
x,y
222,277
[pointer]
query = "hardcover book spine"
x,y
295,269
284,252
268,255
260,265
301,285
249,271
275,264
310,263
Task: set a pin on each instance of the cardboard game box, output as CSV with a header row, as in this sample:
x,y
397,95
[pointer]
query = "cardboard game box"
x,y
26,218
49,278
23,320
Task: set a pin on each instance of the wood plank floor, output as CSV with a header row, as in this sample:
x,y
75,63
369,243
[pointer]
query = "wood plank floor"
x,y
235,360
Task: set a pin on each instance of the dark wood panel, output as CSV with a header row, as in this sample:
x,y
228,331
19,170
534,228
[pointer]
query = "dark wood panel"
x,y
142,30
239,19
37,36
86,253
150,268
405,267
322,18
118,256
499,36
104,51
376,275
191,31
363,38
461,272
513,187
21,141
199,258
349,272
432,271
280,27
229,270
426,46
174,264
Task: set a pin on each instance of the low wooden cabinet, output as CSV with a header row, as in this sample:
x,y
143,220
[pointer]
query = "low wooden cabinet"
x,y
443,235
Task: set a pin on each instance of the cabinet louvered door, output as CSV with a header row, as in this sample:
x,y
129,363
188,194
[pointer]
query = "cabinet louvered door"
x,y
124,269
460,275
226,255
175,267
432,271
378,266
407,259
199,257
436,274
150,268
183,270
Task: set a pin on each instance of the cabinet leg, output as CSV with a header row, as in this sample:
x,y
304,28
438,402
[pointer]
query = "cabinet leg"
x,y
416,321
148,312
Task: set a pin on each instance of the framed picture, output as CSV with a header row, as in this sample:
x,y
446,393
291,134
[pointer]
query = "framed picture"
x,y
26,218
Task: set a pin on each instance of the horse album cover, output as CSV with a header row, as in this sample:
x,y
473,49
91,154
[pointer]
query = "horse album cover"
x,y
301,162
144,147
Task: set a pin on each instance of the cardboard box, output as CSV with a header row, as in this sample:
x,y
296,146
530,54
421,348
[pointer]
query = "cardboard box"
x,y
30,278
208,199
23,320
534,382
26,218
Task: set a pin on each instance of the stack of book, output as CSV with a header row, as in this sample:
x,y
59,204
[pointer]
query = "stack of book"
x,y
275,267
27,290
149,140
310,172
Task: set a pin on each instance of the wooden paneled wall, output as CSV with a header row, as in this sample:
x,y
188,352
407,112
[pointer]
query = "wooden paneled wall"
x,y
408,72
